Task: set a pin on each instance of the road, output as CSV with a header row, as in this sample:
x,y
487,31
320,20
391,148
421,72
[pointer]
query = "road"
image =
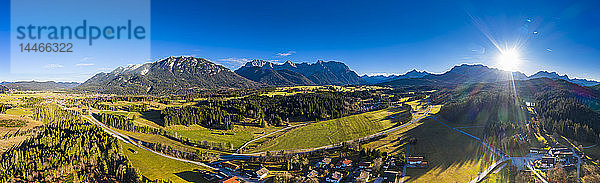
x,y
483,174
405,160
283,129
332,146
535,172
126,139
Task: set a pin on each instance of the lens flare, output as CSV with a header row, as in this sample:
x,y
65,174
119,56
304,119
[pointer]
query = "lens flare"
x,y
509,59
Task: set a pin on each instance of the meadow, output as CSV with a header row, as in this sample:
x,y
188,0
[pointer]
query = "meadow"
x,y
333,131
154,166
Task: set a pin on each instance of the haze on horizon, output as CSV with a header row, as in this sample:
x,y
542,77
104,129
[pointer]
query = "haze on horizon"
x,y
390,37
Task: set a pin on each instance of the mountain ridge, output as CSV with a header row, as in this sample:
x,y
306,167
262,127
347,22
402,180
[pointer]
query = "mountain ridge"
x,y
319,73
169,75
374,79
477,73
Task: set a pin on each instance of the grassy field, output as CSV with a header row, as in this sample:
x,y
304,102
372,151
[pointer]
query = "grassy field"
x,y
19,111
333,131
452,156
154,166
394,142
237,137
7,143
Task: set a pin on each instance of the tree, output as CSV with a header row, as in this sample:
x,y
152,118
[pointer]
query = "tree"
x,y
557,174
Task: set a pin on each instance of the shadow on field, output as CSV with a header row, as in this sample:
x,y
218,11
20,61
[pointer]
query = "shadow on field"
x,y
154,116
191,176
451,156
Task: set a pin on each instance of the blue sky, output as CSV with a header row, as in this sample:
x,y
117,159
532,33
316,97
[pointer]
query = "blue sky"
x,y
369,36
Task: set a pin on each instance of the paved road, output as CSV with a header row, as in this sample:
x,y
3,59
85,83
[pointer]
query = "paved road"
x,y
535,172
405,160
126,139
483,174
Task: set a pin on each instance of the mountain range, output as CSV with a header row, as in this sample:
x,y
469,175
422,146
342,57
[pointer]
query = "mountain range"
x,y
374,79
188,74
475,74
167,76
554,75
289,73
39,86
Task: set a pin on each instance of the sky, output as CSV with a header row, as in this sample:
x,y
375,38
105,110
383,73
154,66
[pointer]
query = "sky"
x,y
369,36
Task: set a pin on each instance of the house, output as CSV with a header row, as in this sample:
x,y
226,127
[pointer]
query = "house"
x,y
312,174
233,179
554,151
323,162
538,151
416,162
365,165
547,162
335,177
262,173
344,163
230,166
363,176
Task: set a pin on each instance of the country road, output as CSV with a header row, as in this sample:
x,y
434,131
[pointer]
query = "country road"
x,y
332,146
283,129
126,139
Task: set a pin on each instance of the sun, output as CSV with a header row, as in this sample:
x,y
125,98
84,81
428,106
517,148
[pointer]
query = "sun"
x,y
509,59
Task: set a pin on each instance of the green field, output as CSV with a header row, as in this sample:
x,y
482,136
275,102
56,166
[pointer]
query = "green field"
x,y
237,137
19,111
154,166
333,131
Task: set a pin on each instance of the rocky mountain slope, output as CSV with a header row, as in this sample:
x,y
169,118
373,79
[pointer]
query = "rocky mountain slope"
x,y
172,75
289,73
382,78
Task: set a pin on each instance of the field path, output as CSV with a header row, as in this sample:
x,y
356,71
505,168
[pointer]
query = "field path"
x,y
283,129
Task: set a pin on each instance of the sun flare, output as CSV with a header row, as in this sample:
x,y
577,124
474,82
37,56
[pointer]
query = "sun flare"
x,y
509,59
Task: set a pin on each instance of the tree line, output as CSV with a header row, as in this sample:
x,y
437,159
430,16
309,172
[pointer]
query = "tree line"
x,y
204,116
298,107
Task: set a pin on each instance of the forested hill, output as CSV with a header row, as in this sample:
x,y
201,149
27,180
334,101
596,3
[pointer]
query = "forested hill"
x,y
597,88
289,73
3,89
564,108
173,75
40,86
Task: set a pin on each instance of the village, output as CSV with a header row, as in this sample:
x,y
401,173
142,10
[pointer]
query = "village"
x,y
327,169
